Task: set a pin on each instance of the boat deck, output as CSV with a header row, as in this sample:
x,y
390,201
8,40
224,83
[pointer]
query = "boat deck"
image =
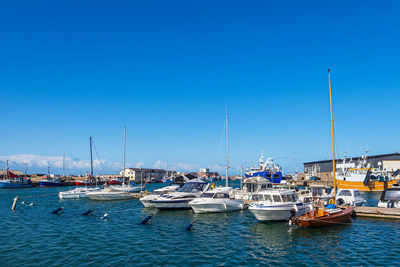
x,y
375,212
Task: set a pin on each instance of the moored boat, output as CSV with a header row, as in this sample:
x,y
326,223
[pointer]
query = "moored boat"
x,y
50,182
320,217
216,200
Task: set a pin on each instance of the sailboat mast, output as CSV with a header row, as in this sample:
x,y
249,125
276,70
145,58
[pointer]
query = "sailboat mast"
x,y
63,165
333,139
91,158
123,172
227,158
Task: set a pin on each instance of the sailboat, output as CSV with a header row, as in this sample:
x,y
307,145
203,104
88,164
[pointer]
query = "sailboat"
x,y
218,200
79,193
114,192
321,216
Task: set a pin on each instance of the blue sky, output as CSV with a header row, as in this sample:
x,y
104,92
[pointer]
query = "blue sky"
x,y
166,70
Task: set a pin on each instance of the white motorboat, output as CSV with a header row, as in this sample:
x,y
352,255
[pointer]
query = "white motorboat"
x,y
77,193
128,188
109,194
390,198
181,198
277,205
321,194
350,197
251,186
146,200
216,200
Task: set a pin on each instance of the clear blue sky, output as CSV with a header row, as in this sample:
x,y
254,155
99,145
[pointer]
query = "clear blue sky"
x,y
166,70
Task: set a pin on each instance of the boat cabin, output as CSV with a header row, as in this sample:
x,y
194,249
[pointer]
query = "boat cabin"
x,y
193,187
390,198
275,196
255,184
217,193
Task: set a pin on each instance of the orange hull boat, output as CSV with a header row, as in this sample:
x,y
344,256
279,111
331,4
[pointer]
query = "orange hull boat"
x,y
320,217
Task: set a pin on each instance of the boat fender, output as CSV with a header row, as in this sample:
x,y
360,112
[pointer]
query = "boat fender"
x,y
87,212
189,227
145,220
14,203
57,210
105,216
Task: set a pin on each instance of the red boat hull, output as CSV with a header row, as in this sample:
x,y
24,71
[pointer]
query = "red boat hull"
x,y
83,183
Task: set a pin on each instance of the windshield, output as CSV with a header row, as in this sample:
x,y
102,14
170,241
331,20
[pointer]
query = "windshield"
x,y
192,187
391,195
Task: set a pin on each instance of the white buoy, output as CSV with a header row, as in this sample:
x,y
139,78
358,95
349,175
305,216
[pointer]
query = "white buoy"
x,y
31,204
14,203
105,216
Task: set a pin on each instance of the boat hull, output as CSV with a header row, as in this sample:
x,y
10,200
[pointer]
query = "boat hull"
x,y
373,186
279,212
312,221
49,184
82,183
109,195
171,204
216,205
10,185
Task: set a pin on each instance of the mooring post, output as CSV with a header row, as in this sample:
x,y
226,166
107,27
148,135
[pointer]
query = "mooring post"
x,y
15,203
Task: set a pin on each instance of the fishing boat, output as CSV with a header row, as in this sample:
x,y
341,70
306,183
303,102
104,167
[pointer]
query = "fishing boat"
x,y
218,200
277,205
268,169
181,198
328,215
84,183
116,181
363,177
12,180
50,182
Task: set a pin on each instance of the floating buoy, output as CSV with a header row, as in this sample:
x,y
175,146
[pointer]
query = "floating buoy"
x,y
23,202
145,220
189,227
105,216
57,210
14,203
31,204
87,212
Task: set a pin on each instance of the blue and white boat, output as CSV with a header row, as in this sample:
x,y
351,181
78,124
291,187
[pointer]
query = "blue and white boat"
x,y
268,170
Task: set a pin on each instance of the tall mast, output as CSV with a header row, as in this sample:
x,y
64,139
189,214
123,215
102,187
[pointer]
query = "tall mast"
x,y
227,158
333,139
7,171
63,164
123,172
91,159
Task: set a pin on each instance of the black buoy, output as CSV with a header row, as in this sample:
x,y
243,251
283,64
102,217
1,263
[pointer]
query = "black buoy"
x,y
57,210
189,227
87,212
145,220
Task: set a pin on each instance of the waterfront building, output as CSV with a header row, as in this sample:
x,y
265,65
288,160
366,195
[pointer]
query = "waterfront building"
x,y
322,169
138,175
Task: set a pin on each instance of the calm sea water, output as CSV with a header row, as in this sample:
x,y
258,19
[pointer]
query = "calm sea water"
x,y
33,236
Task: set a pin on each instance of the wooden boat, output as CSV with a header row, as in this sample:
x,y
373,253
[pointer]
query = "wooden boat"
x,y
320,217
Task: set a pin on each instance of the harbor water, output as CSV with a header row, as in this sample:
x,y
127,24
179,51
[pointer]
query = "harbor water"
x,y
32,235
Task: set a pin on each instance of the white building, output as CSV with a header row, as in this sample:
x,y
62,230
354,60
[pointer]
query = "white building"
x,y
138,175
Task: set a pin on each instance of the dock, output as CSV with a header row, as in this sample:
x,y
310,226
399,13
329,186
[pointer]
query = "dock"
x,y
375,212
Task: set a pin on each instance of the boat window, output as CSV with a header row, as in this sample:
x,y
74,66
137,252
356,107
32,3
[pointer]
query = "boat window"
x,y
210,195
254,197
221,195
347,193
268,198
356,193
189,187
277,198
288,198
392,195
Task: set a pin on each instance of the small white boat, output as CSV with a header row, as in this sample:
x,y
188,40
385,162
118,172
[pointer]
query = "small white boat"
x,y
128,188
251,186
216,200
77,193
277,205
146,200
350,197
109,194
390,198
181,198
